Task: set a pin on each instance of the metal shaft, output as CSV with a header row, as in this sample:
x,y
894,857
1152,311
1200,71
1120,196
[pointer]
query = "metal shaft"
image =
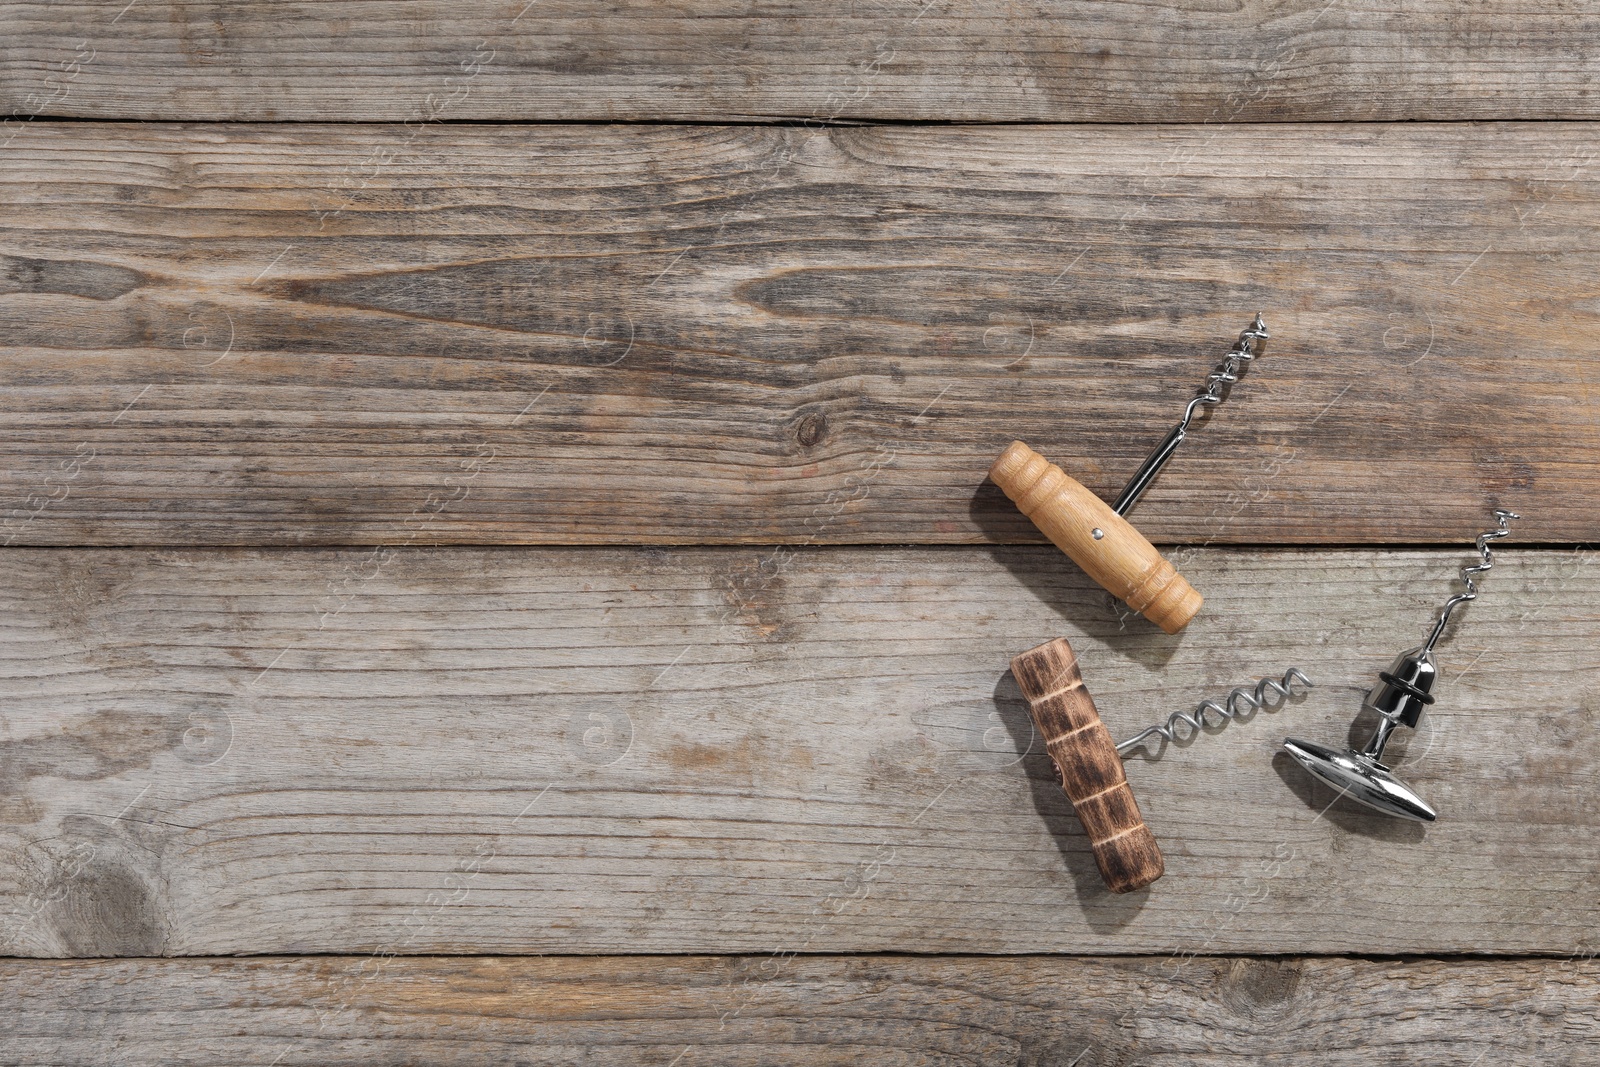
x,y
1246,348
1149,469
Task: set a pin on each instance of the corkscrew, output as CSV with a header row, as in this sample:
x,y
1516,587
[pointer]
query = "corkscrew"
x,y
1245,349
1089,766
1096,535
1265,692
1398,699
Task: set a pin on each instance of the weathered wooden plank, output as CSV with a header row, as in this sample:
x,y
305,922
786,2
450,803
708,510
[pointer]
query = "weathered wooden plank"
x,y
640,750
809,1010
569,334
1117,61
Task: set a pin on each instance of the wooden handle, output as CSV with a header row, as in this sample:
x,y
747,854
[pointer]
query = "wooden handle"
x,y
1119,559
1088,766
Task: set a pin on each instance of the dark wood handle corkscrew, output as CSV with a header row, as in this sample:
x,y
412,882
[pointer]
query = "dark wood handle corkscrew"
x,y
1089,768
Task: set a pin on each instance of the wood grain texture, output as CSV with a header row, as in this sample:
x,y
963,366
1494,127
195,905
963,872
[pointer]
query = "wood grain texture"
x,y
1118,61
350,335
690,750
892,1010
1086,761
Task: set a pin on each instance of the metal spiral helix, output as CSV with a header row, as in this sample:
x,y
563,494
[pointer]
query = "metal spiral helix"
x,y
1227,372
1244,700
1246,348
1503,518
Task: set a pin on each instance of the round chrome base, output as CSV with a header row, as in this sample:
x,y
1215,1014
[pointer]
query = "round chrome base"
x,y
1361,778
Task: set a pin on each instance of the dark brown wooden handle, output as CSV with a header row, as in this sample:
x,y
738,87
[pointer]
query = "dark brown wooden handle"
x,y
1088,765
1099,540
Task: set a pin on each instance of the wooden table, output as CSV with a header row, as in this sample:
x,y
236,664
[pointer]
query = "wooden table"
x,y
661,352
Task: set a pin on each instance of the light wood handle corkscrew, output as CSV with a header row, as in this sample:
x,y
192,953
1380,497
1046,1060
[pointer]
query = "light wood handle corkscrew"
x,y
1099,540
1095,534
1088,766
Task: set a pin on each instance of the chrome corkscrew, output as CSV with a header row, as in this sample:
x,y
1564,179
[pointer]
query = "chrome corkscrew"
x,y
1398,699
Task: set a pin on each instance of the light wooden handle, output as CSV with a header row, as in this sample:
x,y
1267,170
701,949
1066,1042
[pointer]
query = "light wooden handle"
x,y
1119,559
1088,766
